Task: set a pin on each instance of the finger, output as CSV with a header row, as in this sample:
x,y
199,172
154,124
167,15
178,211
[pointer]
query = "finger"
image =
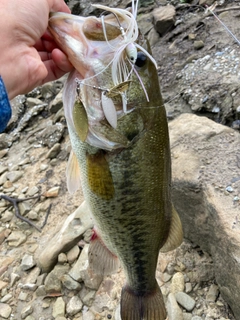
x,y
58,57
61,60
57,66
58,5
45,56
45,45
54,72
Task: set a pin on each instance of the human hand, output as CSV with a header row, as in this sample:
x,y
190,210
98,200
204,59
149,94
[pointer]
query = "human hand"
x,y
29,55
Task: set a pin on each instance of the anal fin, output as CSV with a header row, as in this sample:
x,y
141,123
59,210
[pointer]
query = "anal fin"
x,y
101,259
175,236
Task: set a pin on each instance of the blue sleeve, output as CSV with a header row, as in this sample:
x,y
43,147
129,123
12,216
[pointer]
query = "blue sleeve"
x,y
5,107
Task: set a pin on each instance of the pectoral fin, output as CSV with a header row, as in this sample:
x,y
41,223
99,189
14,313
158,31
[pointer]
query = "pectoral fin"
x,y
175,236
73,173
99,175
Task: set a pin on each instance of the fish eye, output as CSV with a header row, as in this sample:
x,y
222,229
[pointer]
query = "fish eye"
x,y
141,59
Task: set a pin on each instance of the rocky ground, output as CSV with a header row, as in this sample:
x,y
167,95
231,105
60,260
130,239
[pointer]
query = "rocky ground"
x,y
199,73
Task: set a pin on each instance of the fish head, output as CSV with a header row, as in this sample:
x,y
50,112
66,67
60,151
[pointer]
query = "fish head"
x,y
114,71
83,40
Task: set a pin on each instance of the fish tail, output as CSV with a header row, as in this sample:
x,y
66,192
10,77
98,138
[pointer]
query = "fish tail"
x,y
148,306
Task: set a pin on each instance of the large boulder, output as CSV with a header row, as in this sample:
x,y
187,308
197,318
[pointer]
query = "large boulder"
x,y
206,191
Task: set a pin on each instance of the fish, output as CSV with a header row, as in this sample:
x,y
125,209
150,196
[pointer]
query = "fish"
x,y
120,151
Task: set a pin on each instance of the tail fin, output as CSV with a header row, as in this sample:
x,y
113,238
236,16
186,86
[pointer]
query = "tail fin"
x,y
149,306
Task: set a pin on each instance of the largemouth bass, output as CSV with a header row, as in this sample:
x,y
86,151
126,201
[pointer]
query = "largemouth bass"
x,y
119,135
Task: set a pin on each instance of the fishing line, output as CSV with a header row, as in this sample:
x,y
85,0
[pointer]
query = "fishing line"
x,y
223,24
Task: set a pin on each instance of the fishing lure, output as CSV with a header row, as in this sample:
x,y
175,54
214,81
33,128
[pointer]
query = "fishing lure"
x,y
123,62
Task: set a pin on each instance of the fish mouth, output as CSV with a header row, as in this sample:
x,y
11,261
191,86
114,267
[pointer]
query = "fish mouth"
x,y
66,28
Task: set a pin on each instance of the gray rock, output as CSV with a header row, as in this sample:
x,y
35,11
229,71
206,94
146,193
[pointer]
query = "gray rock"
x,y
81,265
53,283
23,296
41,278
187,316
62,258
14,176
185,301
52,193
24,161
40,291
29,286
16,238
5,141
198,44
26,311
52,134
5,310
164,18
3,284
18,106
173,309
177,284
30,318
3,169
43,167
59,116
74,306
3,178
73,254
48,90
153,37
6,298
212,293
88,298
117,313
7,216
70,283
32,215
69,235
145,23
210,218
3,153
188,287
58,308
14,277
56,104
88,315
54,151
32,112
81,271
27,262
32,191
33,102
